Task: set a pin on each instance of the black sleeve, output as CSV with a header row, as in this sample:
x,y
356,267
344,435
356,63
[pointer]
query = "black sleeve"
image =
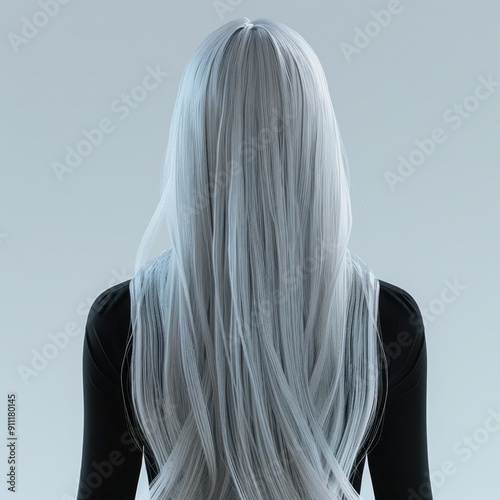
x,y
398,462
111,462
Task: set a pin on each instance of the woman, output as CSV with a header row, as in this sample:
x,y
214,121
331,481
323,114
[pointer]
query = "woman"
x,y
257,358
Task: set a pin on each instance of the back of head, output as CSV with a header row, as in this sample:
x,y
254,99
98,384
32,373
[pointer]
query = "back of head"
x,y
255,347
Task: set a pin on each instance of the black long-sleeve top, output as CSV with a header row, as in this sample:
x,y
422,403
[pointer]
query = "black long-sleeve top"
x,y
397,457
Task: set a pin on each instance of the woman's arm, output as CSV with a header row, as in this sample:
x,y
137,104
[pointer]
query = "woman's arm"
x,y
111,462
398,461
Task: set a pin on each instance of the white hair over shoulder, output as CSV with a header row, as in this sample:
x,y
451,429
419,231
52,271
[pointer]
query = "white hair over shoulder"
x,y
255,345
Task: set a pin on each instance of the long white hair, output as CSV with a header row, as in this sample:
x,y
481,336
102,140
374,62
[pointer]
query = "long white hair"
x,y
255,345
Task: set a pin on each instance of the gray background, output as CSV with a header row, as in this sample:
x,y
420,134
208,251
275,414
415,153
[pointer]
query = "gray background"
x,y
65,239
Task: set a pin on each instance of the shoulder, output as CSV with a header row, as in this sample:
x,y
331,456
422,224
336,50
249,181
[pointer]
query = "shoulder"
x,y
403,336
106,334
108,308
108,322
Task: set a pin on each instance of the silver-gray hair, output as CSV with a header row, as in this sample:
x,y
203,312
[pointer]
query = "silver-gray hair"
x,y
255,346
